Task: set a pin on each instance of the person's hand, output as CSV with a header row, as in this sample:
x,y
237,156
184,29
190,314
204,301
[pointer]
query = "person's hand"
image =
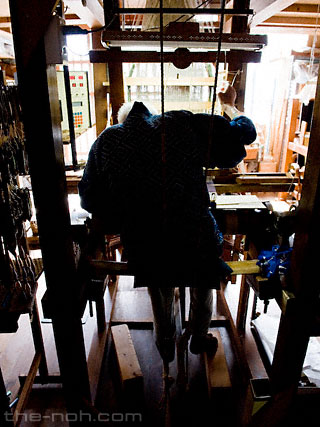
x,y
228,97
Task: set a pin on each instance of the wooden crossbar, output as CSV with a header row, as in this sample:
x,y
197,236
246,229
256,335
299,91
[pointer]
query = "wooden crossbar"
x,y
102,268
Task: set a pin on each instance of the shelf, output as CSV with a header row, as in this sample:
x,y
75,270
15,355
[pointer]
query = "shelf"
x,y
298,148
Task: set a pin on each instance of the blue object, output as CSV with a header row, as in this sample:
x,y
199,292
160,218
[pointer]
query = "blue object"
x,y
274,261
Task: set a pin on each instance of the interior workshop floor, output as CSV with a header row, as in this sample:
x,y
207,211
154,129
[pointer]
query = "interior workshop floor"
x,y
16,353
191,408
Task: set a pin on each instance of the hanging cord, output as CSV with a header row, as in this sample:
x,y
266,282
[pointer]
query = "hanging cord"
x,y
182,359
163,133
165,401
223,2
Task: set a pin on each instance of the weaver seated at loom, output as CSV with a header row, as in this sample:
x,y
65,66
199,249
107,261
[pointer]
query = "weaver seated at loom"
x,y
144,178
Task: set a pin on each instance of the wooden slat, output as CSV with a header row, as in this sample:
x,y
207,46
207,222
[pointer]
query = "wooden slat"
x,y
291,21
266,8
102,268
104,56
90,12
252,188
298,148
256,179
217,369
24,395
129,367
236,201
244,267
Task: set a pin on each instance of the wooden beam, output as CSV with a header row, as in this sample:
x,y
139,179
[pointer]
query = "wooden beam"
x,y
45,154
300,9
5,22
34,23
244,267
101,268
266,9
104,55
26,390
301,312
100,91
256,179
218,378
116,85
291,21
283,29
91,14
129,367
246,41
307,225
240,23
252,188
73,19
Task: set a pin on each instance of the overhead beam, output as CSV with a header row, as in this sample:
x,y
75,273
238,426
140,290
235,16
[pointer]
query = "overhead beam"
x,y
292,21
5,36
283,29
103,56
5,22
34,25
265,9
91,14
298,9
73,19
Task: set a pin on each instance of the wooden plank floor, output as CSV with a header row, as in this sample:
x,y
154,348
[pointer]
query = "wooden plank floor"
x,y
191,408
131,304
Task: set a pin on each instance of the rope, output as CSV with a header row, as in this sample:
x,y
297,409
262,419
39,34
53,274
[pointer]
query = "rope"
x,y
223,3
165,399
163,133
182,359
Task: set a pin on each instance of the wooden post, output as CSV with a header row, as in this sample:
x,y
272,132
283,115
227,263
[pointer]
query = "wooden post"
x,y
114,67
40,106
300,314
116,86
38,341
100,91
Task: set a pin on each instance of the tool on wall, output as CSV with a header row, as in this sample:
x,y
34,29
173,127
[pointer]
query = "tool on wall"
x,y
17,272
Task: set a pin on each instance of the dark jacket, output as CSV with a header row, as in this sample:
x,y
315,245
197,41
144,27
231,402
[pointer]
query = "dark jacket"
x,y
152,191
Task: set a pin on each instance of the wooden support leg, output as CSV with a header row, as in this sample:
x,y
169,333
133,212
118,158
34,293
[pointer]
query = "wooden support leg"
x,y
26,389
245,374
73,365
235,252
38,342
291,347
101,316
236,341
243,305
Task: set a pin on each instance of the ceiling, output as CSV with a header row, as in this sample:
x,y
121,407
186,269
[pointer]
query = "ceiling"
x,y
283,16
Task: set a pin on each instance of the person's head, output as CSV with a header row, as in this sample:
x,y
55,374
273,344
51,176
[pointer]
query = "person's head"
x,y
125,109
